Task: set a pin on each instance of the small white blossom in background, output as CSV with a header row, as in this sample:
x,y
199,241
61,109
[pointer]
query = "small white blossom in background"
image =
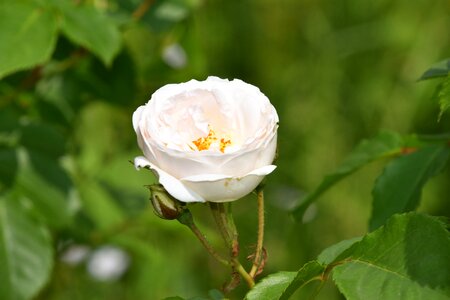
x,y
175,56
108,263
211,140
75,254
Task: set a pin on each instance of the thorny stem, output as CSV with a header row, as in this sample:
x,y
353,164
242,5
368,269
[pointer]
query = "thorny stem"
x,y
225,222
218,212
186,218
201,237
260,241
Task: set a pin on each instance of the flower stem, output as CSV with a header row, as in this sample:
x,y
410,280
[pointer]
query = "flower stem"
x,y
260,241
218,212
237,265
186,219
201,237
225,222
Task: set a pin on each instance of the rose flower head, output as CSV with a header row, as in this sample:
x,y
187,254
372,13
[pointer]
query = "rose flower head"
x,y
211,140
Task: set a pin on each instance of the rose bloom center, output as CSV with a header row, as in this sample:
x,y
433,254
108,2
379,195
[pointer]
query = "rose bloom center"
x,y
197,121
204,143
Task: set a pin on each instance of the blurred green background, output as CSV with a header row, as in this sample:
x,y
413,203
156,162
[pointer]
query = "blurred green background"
x,y
336,71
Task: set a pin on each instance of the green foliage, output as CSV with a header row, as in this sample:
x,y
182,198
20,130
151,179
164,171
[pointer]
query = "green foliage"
x,y
28,33
440,69
399,187
89,27
271,287
311,271
26,253
385,144
29,30
409,256
443,94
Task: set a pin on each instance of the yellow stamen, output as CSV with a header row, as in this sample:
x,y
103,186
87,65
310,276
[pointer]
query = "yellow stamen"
x,y
204,143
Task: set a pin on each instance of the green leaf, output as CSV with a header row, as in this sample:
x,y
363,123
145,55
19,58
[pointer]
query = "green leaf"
x,y
330,254
398,188
441,69
408,258
271,287
443,95
27,35
89,27
33,135
383,145
309,272
47,186
8,171
26,255
99,206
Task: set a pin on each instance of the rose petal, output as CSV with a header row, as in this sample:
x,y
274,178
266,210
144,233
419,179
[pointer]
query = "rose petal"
x,y
137,117
215,177
222,188
172,185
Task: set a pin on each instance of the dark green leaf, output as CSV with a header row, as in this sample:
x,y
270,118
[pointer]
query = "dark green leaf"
x,y
27,35
8,169
441,69
444,96
408,258
26,256
271,287
309,272
89,27
43,139
115,84
47,186
399,187
383,145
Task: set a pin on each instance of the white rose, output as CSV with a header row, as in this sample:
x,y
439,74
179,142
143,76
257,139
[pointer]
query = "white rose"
x,y
211,140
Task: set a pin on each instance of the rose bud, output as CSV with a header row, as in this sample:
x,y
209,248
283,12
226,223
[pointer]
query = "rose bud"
x,y
211,140
164,205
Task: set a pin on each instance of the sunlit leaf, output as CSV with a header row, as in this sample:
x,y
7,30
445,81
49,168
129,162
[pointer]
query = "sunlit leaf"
x,y
89,27
27,35
443,95
383,145
271,287
331,253
26,257
409,258
398,188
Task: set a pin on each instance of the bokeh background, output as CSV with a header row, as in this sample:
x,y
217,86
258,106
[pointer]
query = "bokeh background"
x,y
336,71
